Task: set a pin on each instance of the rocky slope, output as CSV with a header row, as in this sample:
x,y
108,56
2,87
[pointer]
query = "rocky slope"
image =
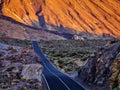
x,y
115,78
21,10
11,29
97,17
16,69
73,56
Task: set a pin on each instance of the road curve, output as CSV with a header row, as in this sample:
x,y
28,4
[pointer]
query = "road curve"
x,y
56,80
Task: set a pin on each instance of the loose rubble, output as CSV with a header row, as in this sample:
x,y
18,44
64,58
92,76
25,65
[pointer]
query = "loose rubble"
x,y
20,69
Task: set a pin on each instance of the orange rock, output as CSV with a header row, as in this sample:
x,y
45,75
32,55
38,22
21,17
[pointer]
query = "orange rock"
x,y
93,16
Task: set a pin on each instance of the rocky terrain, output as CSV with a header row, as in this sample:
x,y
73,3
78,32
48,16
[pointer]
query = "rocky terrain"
x,y
96,17
70,55
115,78
97,70
68,31
19,68
12,29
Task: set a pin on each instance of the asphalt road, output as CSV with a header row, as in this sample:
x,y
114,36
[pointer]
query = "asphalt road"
x,y
55,79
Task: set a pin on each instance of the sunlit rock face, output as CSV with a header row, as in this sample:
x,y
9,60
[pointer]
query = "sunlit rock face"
x,y
93,16
23,11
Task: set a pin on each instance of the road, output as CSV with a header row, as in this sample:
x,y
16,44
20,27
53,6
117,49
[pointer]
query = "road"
x,y
55,79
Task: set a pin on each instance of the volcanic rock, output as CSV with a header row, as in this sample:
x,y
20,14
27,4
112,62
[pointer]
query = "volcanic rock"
x,y
96,17
32,71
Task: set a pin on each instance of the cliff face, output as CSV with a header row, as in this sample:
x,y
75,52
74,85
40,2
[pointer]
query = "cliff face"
x,y
93,16
23,11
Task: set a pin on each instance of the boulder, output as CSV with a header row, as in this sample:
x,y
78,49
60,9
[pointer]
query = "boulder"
x,y
97,70
32,71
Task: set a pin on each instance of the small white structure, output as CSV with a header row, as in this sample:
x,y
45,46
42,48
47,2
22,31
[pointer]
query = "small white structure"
x,y
76,37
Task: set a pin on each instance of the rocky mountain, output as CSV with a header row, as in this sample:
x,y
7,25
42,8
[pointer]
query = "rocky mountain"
x,y
93,16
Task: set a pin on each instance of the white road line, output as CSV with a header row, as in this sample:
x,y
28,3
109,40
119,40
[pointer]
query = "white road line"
x,y
61,72
55,75
58,78
46,82
77,83
67,76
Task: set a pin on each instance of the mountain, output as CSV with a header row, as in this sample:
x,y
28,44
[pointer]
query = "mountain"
x,y
92,16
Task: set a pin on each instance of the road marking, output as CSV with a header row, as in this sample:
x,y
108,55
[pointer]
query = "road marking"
x,y
58,71
50,70
58,78
46,82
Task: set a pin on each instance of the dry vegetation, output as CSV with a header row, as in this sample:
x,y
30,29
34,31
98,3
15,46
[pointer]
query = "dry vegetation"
x,y
67,55
70,55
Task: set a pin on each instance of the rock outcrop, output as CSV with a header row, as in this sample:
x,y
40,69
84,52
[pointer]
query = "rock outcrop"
x,y
32,71
115,78
15,64
97,70
23,11
96,17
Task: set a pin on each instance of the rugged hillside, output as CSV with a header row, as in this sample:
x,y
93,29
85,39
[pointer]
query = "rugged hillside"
x,y
11,29
20,68
93,16
22,10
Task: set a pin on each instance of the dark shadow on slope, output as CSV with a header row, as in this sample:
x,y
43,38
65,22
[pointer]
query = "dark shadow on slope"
x,y
16,22
41,18
62,34
58,32
1,4
65,35
61,31
42,21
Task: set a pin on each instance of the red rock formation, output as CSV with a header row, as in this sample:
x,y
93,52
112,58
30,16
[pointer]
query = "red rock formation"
x,y
93,16
22,10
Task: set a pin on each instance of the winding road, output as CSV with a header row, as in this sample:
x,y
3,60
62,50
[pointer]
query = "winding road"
x,y
55,79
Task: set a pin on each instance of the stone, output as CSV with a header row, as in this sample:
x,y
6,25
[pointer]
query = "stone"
x,y
32,71
115,78
97,70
